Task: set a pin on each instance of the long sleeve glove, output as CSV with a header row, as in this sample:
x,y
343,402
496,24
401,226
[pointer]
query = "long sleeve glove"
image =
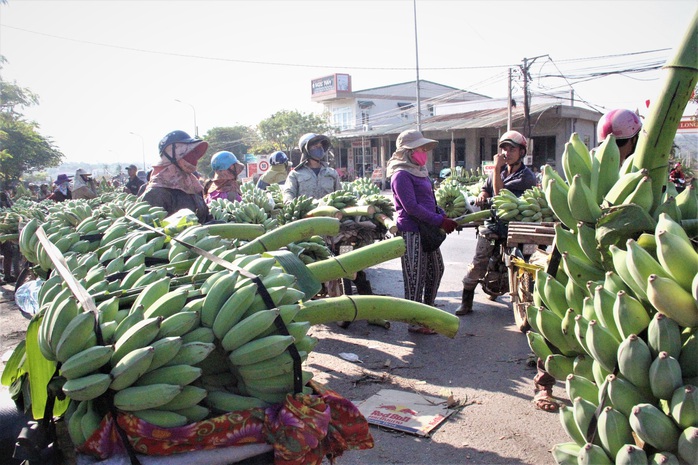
x,y
448,225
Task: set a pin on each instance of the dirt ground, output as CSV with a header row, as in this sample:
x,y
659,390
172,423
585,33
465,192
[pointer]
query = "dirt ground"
x,y
12,324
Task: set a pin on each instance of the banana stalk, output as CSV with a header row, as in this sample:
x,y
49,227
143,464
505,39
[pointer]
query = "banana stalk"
x,y
346,265
470,217
369,307
657,137
291,232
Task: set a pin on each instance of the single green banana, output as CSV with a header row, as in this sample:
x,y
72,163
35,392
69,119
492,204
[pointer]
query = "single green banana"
x,y
684,406
233,309
602,345
556,197
219,292
687,447
624,395
74,336
579,386
653,427
87,361
630,315
223,401
664,376
192,353
604,302
607,157
670,298
620,266
90,421
165,349
677,257
248,329
87,387
260,349
137,398
630,454
614,431
168,304
139,335
152,292
131,367
194,413
179,324
74,416
634,360
162,418
687,202
172,374
641,195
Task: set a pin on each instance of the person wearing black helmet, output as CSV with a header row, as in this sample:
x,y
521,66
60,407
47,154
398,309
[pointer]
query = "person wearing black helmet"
x,y
510,173
277,173
313,177
173,185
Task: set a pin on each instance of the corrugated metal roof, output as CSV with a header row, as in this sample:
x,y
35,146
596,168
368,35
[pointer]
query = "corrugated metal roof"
x,y
491,118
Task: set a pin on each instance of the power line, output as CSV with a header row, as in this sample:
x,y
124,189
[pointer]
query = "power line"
x,y
306,65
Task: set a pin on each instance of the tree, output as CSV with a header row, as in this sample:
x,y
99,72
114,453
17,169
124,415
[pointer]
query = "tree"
x,y
235,139
22,148
283,129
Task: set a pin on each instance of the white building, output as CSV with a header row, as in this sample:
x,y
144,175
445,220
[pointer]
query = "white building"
x,y
467,125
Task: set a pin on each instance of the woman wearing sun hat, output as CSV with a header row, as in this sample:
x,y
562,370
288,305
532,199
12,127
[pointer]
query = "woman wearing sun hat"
x,y
414,197
62,191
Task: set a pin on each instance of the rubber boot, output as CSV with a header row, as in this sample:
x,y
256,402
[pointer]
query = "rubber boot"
x,y
466,305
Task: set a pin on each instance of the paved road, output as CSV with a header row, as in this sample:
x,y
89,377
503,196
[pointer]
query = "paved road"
x,y
484,366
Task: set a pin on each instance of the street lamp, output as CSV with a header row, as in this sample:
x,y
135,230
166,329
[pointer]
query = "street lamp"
x,y
142,148
196,128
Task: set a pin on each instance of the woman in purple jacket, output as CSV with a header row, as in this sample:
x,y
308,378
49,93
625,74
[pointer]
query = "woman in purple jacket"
x,y
414,196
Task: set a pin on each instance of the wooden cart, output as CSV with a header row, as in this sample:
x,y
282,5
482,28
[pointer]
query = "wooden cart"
x,y
529,242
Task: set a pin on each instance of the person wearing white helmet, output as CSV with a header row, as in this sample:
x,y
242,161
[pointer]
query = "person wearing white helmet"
x,y
313,177
510,173
625,125
278,171
224,184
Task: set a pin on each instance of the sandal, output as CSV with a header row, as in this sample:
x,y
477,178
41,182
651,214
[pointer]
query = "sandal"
x,y
546,402
420,330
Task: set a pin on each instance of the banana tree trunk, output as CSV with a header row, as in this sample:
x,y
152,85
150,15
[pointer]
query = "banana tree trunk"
x,y
657,137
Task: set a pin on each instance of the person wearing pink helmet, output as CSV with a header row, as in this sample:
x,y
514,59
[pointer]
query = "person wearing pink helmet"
x,y
625,125
510,173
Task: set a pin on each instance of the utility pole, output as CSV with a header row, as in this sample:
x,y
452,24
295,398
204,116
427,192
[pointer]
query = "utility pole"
x,y
509,101
527,99
416,52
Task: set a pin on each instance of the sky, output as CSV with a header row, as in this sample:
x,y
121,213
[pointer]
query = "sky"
x,y
113,77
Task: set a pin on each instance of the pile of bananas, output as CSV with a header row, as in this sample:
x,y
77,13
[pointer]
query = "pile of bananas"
x,y
254,195
530,207
252,213
381,203
618,322
361,187
9,222
296,209
339,199
465,177
313,250
277,195
221,210
451,198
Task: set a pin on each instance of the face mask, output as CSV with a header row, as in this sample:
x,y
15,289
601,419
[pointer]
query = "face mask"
x,y
317,153
419,157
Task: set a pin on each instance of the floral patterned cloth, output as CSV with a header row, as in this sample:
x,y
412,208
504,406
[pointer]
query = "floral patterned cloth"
x,y
303,430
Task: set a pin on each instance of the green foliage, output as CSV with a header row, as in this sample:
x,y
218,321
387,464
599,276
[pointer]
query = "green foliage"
x,y
283,129
236,139
23,148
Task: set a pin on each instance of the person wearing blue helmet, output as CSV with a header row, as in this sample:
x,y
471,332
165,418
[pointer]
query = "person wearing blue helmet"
x,y
224,184
173,185
278,171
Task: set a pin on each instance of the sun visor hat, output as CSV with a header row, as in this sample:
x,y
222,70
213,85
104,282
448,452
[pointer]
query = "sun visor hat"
x,y
513,138
412,139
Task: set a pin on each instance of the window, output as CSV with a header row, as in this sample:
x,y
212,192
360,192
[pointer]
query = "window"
x,y
364,118
442,154
543,151
342,118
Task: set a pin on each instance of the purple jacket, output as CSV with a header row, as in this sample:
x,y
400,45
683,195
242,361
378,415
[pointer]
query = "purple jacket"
x,y
413,196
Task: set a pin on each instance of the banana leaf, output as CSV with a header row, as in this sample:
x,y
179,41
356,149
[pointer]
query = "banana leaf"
x,y
40,373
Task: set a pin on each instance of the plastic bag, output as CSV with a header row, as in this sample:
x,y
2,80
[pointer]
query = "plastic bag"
x,y
27,297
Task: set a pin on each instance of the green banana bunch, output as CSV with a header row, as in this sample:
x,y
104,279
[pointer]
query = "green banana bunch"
x,y
340,199
296,209
361,187
450,197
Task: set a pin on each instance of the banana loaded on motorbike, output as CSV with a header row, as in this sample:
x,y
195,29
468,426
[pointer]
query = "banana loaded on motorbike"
x,y
517,250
